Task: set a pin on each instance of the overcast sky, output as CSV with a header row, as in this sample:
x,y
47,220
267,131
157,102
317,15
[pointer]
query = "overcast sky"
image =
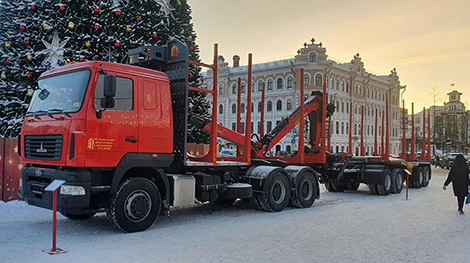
x,y
427,41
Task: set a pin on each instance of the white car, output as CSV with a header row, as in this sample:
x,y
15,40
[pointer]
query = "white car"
x,y
227,153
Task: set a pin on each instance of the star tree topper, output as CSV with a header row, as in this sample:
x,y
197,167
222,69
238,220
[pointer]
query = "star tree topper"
x,y
165,6
54,51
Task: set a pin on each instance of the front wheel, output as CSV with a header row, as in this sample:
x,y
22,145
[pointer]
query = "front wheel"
x,y
135,206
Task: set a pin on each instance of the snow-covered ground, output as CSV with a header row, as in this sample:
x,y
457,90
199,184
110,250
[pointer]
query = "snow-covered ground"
x,y
341,227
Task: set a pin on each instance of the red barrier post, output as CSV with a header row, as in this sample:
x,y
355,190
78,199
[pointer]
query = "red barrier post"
x,y
362,131
407,184
54,187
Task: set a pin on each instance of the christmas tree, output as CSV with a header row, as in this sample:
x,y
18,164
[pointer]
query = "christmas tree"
x,y
39,35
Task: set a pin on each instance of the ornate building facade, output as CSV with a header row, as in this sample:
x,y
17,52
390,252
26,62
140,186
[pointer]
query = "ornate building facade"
x,y
347,83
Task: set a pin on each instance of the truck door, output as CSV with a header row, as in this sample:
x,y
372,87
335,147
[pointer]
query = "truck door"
x,y
116,132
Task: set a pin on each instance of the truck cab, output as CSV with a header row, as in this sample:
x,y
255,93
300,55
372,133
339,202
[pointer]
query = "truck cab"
x,y
77,130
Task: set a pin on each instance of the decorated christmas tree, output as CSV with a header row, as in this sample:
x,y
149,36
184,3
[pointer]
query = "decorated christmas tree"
x,y
39,35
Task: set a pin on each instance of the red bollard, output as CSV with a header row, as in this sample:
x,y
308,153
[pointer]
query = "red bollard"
x,y
407,184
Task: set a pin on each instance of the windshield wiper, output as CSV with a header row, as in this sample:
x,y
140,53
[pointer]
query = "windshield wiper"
x,y
59,111
39,112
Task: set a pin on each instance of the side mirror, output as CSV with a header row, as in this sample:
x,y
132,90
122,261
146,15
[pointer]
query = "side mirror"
x,y
107,103
109,87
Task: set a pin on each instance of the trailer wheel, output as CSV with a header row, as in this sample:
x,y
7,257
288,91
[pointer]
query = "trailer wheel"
x,y
276,194
397,181
386,186
373,189
426,176
135,206
352,185
419,182
78,216
305,191
328,187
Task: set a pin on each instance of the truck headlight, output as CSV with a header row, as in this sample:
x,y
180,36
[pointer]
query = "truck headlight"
x,y
72,190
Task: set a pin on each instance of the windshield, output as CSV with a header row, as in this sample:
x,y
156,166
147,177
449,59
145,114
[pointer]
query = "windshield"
x,y
61,93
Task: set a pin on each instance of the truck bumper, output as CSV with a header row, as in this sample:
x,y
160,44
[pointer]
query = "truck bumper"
x,y
36,179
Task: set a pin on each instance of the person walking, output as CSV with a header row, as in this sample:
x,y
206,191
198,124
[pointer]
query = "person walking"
x,y
458,175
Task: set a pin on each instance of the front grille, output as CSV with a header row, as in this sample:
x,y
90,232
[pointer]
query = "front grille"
x,y
43,147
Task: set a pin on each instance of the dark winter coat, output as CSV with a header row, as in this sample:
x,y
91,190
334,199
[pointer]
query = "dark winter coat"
x,y
458,175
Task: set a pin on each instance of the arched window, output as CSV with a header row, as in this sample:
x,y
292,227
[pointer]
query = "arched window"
x,y
252,107
332,83
269,106
290,82
347,107
260,86
347,87
342,86
259,106
221,108
270,84
342,106
221,89
242,108
288,148
289,104
279,105
312,57
318,80
243,88
279,84
306,80
234,88
234,108
347,128
337,84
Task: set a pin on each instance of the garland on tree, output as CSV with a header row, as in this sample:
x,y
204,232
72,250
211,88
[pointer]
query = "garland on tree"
x,y
39,35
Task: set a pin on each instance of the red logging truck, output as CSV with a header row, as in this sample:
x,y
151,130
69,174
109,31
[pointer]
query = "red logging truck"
x,y
117,134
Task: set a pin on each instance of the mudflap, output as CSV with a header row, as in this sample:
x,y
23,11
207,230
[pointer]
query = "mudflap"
x,y
373,174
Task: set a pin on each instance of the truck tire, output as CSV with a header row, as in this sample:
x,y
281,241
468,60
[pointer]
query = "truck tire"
x,y
373,189
352,186
135,206
418,182
426,176
78,216
276,194
328,187
305,191
386,186
397,181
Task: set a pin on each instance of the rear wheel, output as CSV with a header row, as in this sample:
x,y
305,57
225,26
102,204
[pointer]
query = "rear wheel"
x,y
373,189
426,176
135,206
352,186
78,216
305,191
397,181
386,186
276,193
419,181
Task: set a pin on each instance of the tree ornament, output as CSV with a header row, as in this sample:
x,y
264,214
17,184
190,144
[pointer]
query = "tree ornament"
x,y
178,3
29,57
191,48
190,106
154,35
45,25
8,62
96,27
20,16
7,44
33,7
165,6
190,76
199,110
54,51
88,44
162,23
117,44
30,92
139,18
27,42
149,51
128,29
190,37
29,75
81,59
117,13
4,75
62,8
198,93
96,10
22,27
182,31
71,25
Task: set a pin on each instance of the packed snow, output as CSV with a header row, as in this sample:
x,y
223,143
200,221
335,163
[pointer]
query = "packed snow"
x,y
341,227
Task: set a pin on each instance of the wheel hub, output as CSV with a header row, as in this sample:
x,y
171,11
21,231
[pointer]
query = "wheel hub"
x,y
307,190
278,192
138,205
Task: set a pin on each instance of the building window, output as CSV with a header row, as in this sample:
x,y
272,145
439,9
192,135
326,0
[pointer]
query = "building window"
x,y
270,85
242,127
260,86
289,104
243,88
337,84
337,127
342,106
342,86
347,107
306,80
234,127
279,105
347,87
312,57
332,83
342,127
288,148
252,109
290,82
253,87
279,84
221,108
318,80
269,126
242,108
234,88
347,128
269,106
259,106
221,89
234,108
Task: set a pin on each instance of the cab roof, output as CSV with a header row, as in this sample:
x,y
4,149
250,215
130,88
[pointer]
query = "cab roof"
x,y
121,68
